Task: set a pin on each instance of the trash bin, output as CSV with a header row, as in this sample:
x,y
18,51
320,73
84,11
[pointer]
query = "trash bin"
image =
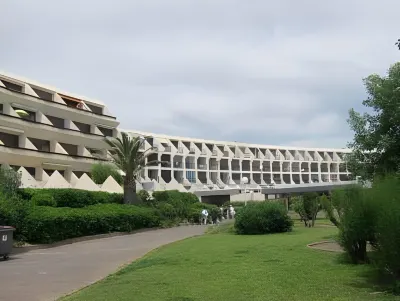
x,y
6,241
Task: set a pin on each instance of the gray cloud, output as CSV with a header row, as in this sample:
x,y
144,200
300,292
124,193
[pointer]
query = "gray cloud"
x,y
273,72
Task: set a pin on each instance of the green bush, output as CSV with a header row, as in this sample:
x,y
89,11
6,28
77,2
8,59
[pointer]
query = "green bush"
x,y
47,224
387,193
43,199
357,222
13,212
263,218
100,172
145,198
181,201
73,198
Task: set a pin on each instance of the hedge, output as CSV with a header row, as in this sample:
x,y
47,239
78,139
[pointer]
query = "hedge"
x,y
263,218
48,224
73,198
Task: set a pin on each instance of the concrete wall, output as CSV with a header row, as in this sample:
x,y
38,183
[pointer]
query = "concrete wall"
x,y
247,197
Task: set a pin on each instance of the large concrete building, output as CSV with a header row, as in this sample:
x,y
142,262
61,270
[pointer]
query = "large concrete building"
x,y
198,164
44,130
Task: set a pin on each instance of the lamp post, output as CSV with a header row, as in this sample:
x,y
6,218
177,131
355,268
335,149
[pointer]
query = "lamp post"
x,y
244,181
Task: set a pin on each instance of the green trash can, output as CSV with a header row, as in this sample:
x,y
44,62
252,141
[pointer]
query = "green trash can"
x,y
6,241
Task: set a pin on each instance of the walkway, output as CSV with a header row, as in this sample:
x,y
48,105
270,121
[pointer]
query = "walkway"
x,y
48,274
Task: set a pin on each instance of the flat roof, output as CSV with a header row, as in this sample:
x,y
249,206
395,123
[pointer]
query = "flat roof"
x,y
51,88
280,147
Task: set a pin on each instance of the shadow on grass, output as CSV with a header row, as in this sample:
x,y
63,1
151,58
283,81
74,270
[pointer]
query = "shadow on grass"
x,y
369,277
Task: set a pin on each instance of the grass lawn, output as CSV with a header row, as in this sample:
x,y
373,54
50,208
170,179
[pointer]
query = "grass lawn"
x,y
224,266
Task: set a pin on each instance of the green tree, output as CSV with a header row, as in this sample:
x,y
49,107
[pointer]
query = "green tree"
x,y
100,172
307,207
128,155
376,143
10,180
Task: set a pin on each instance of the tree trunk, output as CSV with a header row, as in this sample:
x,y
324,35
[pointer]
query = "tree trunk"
x,y
130,196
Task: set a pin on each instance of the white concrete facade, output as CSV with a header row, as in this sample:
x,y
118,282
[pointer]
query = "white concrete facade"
x,y
43,130
54,137
197,164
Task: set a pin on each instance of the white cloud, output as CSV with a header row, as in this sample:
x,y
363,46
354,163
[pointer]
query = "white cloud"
x,y
273,72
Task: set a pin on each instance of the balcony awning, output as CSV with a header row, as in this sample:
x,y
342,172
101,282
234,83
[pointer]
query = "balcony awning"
x,y
70,98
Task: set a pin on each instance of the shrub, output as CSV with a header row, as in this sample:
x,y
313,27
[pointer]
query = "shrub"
x,y
263,218
387,191
43,199
334,206
47,224
145,198
181,201
100,172
357,223
13,212
10,180
307,207
73,198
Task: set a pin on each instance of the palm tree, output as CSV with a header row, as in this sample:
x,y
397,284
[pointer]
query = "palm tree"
x,y
127,155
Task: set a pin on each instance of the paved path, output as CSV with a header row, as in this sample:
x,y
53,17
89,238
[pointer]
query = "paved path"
x,y
48,274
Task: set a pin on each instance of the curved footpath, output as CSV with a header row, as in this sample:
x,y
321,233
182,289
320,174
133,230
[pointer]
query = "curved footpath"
x,y
47,274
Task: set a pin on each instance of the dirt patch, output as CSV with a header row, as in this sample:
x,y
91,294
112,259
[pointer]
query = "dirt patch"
x,y
329,245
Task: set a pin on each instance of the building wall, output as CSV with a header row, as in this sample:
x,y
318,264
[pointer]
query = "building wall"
x,y
66,133
197,164
46,138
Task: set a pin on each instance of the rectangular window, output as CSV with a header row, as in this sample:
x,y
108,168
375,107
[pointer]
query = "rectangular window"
x,y
25,114
43,94
191,176
106,131
9,140
83,127
95,109
57,122
12,86
41,145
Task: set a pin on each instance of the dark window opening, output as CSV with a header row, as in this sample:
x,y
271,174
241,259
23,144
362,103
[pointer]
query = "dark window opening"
x,y
12,86
43,94
95,109
31,170
83,127
57,122
9,140
41,145
70,149
106,132
31,116
51,171
1,108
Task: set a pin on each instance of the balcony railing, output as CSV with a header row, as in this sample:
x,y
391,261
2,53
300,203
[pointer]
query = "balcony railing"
x,y
180,150
192,151
265,168
167,149
235,167
214,167
256,168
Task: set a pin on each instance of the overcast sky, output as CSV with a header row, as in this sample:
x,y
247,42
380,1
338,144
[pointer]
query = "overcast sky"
x,y
271,72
